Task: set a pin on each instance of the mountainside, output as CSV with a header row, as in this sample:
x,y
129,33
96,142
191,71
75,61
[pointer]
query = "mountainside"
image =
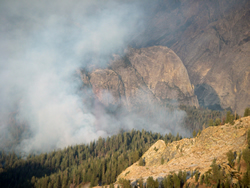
x,y
212,38
144,75
194,154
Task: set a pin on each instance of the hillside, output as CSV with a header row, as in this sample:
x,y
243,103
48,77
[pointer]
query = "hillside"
x,y
212,39
99,161
194,154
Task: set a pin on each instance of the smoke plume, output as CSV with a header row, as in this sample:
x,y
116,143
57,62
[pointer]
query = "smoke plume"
x,y
43,44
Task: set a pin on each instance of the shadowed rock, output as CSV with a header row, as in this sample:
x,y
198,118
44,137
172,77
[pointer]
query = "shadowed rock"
x,y
212,39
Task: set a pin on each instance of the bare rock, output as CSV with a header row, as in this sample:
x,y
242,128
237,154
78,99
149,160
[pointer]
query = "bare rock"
x,y
212,39
192,154
107,86
164,73
148,75
136,91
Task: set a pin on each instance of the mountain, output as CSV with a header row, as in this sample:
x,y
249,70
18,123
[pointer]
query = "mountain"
x,y
194,154
212,38
145,75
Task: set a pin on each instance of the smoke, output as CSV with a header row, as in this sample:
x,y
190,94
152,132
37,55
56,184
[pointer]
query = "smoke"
x,y
43,44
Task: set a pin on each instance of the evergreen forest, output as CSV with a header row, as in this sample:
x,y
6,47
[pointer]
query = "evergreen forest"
x,y
100,161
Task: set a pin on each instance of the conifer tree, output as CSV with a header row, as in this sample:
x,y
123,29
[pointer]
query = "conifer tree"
x,y
229,117
230,157
150,182
202,179
140,183
247,112
194,134
177,182
162,161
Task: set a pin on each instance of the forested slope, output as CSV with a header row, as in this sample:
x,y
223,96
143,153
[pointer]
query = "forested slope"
x,y
98,162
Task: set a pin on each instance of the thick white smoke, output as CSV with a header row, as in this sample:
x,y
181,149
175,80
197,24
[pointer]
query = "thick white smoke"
x,y
43,43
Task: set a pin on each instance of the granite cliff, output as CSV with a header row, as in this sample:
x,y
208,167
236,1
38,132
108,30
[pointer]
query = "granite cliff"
x,y
145,75
212,38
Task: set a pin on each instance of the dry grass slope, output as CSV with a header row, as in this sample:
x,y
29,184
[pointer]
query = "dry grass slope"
x,y
192,154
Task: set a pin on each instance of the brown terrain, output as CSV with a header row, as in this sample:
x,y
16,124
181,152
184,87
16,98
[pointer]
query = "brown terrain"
x,y
212,38
192,154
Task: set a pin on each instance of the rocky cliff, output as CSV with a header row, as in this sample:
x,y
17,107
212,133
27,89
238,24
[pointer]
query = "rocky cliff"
x,y
143,75
212,38
194,154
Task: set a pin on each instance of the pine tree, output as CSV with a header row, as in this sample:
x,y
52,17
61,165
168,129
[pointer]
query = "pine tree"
x,y
202,179
141,162
217,121
170,182
140,183
150,182
216,175
194,134
229,117
177,183
165,183
230,157
248,139
162,161
247,112
196,176
211,123
246,155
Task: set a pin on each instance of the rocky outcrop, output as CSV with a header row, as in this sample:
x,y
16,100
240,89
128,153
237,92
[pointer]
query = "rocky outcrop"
x,y
136,91
142,76
212,38
192,154
164,74
107,86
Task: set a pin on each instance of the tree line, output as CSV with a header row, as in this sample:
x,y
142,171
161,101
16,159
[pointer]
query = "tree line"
x,y
98,162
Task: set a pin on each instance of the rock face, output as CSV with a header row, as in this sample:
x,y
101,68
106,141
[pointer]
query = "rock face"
x,y
107,86
143,75
192,154
164,73
212,38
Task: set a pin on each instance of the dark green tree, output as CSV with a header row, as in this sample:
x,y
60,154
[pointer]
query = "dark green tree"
x,y
196,176
217,121
211,123
247,112
177,182
246,155
248,139
229,118
164,182
162,161
151,182
202,179
230,157
216,174
142,162
125,183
